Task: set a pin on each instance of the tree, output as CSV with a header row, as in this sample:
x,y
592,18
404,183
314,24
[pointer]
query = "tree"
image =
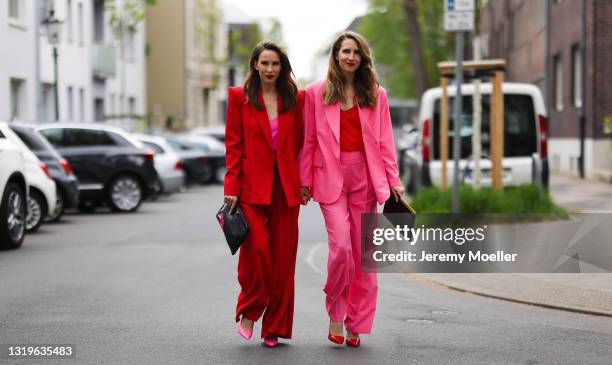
x,y
386,26
209,17
416,49
124,19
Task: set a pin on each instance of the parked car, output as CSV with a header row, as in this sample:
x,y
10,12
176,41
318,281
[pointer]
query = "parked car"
x,y
214,152
525,144
217,133
110,164
167,162
42,192
14,192
59,168
407,138
198,165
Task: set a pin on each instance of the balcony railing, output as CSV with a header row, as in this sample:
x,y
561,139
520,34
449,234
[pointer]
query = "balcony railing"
x,y
104,60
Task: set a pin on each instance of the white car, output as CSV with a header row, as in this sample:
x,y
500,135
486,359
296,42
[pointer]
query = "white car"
x,y
14,191
42,193
167,162
525,145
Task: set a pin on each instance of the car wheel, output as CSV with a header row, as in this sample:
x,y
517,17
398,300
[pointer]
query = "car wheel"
x,y
124,193
208,173
12,217
37,209
56,215
220,174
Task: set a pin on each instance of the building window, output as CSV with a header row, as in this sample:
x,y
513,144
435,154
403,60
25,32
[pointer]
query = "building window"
x,y
17,99
81,105
99,110
577,76
15,9
16,13
98,21
112,104
206,105
70,104
132,106
558,82
80,23
68,24
48,102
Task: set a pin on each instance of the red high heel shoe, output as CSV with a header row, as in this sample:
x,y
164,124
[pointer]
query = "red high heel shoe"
x,y
335,339
353,342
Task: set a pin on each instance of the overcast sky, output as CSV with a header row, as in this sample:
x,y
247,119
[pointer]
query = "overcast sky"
x,y
308,25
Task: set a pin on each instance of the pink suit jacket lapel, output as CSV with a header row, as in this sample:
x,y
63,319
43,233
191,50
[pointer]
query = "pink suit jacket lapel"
x,y
364,117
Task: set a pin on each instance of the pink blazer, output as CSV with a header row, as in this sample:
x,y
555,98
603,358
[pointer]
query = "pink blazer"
x,y
320,159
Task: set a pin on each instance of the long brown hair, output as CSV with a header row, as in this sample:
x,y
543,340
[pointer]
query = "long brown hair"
x,y
285,85
365,82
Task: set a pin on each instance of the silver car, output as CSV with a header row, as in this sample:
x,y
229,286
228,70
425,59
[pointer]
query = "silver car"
x,y
167,162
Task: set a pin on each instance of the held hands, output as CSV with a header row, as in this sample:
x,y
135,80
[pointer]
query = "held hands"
x,y
232,200
305,195
397,191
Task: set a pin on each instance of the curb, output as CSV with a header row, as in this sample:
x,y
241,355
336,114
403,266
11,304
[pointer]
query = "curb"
x,y
508,296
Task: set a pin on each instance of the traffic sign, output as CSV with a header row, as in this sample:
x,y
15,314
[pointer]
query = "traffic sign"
x,y
459,5
459,15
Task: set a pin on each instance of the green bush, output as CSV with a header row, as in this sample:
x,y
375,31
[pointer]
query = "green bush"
x,y
518,199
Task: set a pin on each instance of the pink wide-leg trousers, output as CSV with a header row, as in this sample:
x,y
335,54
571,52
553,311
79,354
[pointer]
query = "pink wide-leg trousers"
x,y
351,293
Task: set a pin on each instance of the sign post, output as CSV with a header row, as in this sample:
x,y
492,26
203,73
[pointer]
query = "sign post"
x,y
458,18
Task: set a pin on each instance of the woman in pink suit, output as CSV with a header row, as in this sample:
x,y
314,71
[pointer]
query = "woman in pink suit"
x,y
347,165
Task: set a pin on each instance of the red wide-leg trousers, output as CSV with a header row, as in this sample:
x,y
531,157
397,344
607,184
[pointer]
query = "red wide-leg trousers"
x,y
266,265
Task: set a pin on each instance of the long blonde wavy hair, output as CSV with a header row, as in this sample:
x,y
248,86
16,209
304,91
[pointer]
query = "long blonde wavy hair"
x,y
365,82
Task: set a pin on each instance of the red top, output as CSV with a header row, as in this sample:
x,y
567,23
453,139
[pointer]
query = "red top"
x,y
350,130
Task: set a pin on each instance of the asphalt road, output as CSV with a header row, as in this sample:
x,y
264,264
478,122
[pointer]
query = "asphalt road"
x,y
159,287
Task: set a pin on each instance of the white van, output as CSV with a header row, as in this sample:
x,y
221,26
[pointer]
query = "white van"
x,y
525,145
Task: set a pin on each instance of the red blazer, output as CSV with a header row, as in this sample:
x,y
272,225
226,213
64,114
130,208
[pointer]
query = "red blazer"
x,y
249,154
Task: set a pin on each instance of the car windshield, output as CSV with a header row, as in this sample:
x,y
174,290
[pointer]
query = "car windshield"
x,y
520,138
178,145
34,140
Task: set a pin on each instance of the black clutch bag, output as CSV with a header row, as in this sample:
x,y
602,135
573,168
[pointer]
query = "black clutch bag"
x,y
234,225
399,213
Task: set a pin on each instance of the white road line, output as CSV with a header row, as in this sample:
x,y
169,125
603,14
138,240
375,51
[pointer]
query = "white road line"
x,y
310,257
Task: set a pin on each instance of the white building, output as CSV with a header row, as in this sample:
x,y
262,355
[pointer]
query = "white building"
x,y
18,50
96,80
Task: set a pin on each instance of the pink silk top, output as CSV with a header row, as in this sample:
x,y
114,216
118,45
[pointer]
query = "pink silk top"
x,y
274,129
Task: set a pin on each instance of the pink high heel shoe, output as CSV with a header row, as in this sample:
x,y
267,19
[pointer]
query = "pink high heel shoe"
x,y
245,333
270,341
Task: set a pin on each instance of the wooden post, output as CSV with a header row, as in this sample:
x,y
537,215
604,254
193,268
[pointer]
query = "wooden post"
x,y
443,132
497,132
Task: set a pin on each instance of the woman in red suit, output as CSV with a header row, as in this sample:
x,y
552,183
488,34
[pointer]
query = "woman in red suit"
x,y
263,138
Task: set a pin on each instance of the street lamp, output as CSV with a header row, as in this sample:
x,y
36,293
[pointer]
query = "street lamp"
x,y
53,28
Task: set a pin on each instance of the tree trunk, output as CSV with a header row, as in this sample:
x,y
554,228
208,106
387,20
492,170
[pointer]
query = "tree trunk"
x,y
416,49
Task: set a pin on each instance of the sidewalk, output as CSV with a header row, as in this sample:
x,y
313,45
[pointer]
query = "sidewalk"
x,y
584,293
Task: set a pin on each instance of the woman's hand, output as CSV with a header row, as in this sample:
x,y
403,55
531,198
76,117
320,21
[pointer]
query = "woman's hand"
x,y
397,191
232,200
305,195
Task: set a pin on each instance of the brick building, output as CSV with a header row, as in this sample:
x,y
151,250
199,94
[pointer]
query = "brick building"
x,y
547,43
